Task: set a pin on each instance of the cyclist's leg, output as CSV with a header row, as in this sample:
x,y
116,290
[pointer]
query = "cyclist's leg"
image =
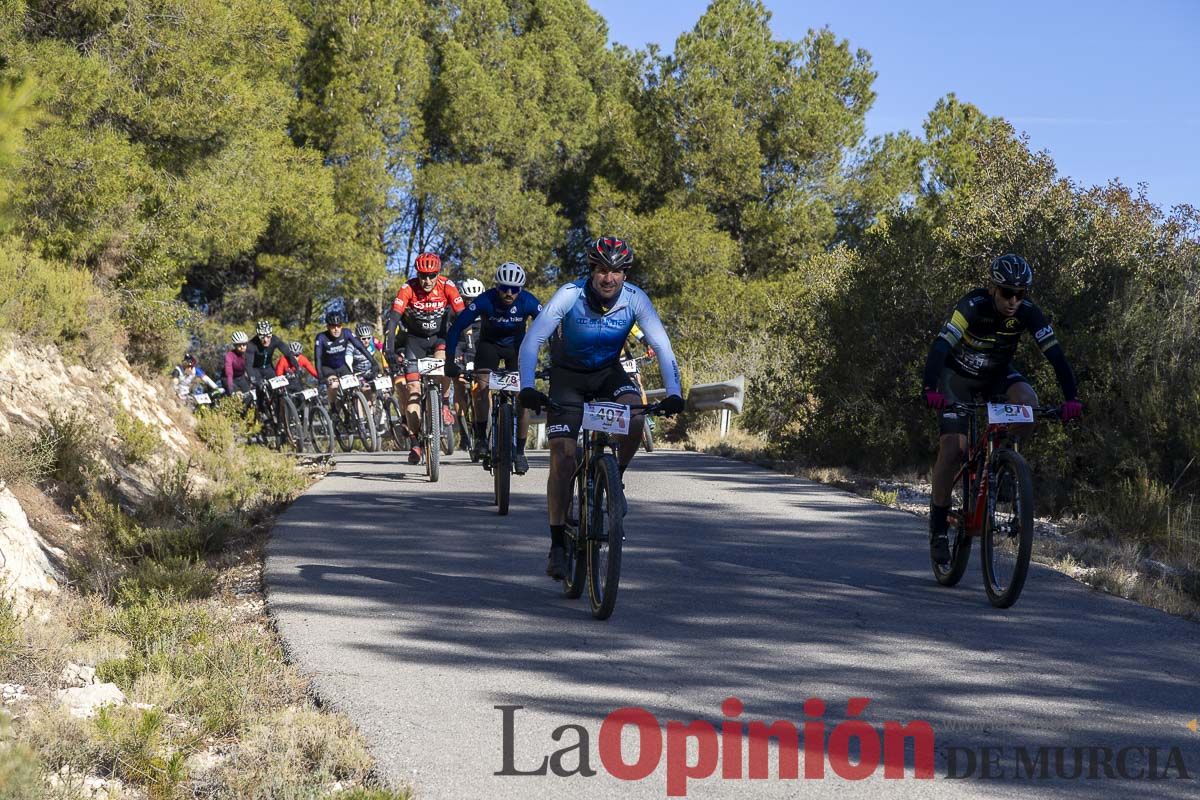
x,y
414,349
1018,390
952,445
562,427
619,387
487,358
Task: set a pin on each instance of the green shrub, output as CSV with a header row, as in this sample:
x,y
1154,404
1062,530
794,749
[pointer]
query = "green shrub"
x,y
133,746
178,577
25,458
138,440
10,630
74,442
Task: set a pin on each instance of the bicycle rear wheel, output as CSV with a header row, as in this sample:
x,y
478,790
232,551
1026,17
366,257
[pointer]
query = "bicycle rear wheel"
x,y
605,536
502,456
647,435
448,437
343,423
433,432
1008,529
960,543
320,429
394,422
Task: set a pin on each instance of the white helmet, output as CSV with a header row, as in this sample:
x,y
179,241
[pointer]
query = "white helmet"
x,y
471,288
510,274
239,338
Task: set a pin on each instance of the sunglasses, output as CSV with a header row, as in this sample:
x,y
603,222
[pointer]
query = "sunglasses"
x,y
1009,294
508,289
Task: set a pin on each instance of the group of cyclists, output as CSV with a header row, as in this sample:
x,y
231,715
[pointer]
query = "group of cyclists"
x,y
586,324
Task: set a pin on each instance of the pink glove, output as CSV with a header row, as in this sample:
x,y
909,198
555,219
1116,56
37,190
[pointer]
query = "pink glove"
x,y
935,399
1072,409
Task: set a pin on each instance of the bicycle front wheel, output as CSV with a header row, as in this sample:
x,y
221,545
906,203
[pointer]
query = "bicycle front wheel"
x,y
648,435
394,427
433,432
292,426
1008,529
502,456
605,535
343,423
320,429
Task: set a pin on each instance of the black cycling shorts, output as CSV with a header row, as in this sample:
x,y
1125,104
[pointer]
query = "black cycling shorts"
x,y
568,386
961,389
418,347
327,371
488,356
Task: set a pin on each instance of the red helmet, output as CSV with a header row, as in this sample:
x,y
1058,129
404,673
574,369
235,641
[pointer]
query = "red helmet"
x,y
429,264
609,251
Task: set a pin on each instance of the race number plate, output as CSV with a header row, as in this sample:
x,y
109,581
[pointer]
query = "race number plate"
x,y
470,367
278,382
309,394
202,399
348,381
504,381
431,366
382,383
1008,413
606,417
630,365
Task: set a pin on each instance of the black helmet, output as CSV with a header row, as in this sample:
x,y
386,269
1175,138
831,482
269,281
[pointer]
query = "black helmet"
x,y
1012,271
263,328
335,317
611,252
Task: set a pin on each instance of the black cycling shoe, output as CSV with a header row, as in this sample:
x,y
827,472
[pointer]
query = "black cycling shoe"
x,y
939,547
520,463
556,565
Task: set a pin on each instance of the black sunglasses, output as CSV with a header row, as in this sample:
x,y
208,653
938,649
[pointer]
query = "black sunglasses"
x,y
1009,294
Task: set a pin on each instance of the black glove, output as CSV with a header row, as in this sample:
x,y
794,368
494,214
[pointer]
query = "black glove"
x,y
532,399
452,370
672,405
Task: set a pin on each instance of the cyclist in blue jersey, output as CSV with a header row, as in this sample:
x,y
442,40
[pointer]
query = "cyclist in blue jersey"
x,y
590,319
332,347
504,309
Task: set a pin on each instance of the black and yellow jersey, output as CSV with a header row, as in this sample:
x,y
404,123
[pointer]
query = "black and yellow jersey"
x,y
983,341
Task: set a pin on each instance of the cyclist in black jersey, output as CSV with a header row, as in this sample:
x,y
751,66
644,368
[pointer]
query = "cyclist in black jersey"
x,y
972,356
260,362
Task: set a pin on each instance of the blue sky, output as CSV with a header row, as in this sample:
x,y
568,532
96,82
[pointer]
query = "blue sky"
x,y
1110,89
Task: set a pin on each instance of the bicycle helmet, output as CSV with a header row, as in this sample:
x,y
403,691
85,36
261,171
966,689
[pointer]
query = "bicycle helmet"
x,y
510,274
429,264
189,360
295,348
1011,271
239,338
263,328
363,331
335,317
611,252
471,288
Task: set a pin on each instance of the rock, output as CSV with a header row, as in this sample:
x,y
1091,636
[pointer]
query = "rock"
x,y
205,761
84,701
25,566
77,675
13,693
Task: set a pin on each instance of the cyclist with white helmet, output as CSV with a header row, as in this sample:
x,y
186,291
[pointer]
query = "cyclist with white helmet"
x,y
235,364
260,364
504,309
464,356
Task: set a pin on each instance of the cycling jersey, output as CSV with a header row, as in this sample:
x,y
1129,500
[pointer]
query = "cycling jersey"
x,y
979,342
258,356
235,369
185,378
588,340
502,325
331,352
363,365
423,313
282,367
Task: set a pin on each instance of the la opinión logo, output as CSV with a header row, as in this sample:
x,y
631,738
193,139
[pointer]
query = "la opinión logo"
x,y
740,749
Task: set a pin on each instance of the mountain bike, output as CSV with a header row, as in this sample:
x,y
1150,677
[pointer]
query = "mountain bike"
x,y
318,427
466,419
281,420
447,438
993,501
633,368
595,520
388,413
352,415
502,433
430,370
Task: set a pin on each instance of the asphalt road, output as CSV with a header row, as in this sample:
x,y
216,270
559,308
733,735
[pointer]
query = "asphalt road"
x,y
418,610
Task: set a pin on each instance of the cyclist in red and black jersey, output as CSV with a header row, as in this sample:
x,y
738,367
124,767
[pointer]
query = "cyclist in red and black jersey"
x,y
972,357
415,328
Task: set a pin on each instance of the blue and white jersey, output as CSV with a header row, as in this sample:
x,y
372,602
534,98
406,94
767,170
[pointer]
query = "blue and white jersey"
x,y
332,353
502,325
587,340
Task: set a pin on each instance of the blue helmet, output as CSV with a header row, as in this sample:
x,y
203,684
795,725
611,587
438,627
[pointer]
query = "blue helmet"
x,y
1011,271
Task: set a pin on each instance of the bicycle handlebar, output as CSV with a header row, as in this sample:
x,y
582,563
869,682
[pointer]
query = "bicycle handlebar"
x,y
1039,412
